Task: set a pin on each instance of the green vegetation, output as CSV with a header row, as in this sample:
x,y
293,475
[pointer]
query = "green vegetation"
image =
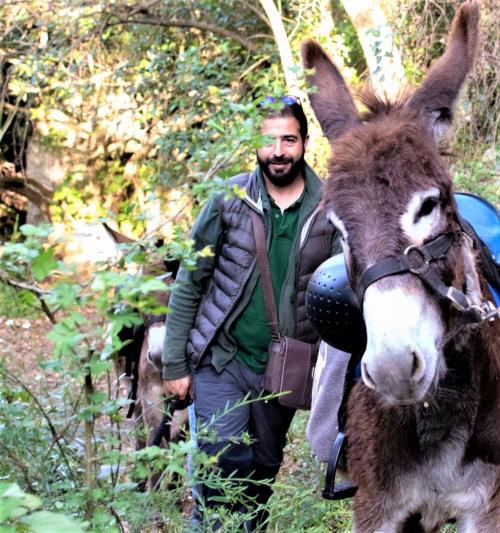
x,y
480,176
15,303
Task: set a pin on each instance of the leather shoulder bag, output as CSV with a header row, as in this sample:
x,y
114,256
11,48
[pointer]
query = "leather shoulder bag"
x,y
290,366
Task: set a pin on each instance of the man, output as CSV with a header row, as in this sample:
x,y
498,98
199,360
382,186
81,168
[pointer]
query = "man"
x,y
218,332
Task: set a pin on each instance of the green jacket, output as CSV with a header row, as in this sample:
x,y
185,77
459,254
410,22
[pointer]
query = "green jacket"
x,y
204,303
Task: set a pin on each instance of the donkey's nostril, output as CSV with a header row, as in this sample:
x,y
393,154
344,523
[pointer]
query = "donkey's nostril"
x,y
418,367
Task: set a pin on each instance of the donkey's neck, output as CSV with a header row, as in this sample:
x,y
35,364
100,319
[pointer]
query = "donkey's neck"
x,y
453,409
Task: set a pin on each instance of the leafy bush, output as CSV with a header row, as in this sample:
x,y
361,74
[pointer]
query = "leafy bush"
x,y
480,176
20,512
15,303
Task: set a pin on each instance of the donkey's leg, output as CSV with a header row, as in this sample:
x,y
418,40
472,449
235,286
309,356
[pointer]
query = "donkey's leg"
x,y
376,514
384,514
140,434
151,399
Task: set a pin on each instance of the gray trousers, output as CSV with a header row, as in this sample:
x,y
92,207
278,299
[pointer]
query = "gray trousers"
x,y
266,421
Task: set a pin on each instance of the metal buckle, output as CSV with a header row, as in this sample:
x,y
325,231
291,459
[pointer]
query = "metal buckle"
x,y
415,268
455,296
487,311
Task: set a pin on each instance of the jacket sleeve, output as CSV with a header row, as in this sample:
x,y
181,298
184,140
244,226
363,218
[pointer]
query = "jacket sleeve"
x,y
187,292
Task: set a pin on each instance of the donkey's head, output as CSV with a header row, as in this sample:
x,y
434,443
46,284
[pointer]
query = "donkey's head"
x,y
389,189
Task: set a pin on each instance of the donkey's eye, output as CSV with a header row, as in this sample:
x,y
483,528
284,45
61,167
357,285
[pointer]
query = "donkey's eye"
x,y
427,207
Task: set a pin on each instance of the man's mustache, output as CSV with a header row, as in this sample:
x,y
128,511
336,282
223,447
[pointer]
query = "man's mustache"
x,y
279,160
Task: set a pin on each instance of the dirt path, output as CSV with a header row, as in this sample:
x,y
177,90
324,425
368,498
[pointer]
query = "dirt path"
x,y
23,344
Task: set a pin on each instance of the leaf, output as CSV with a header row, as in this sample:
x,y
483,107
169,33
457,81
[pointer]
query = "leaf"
x,y
43,264
152,285
8,506
29,230
14,491
47,522
206,252
98,367
64,338
98,397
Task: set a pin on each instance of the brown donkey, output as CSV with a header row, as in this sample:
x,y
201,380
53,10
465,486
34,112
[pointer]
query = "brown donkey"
x,y
140,369
423,423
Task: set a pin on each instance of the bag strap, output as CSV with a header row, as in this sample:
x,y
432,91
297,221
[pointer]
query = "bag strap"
x,y
265,274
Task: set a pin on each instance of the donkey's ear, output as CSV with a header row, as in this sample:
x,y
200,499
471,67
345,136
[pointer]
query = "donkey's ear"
x,y
332,103
118,237
437,95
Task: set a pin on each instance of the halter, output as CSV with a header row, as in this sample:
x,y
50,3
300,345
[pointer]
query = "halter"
x,y
420,261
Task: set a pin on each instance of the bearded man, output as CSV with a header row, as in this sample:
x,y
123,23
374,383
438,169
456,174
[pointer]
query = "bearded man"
x,y
217,339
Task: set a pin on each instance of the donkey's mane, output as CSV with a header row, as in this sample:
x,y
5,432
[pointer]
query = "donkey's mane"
x,y
403,117
391,138
376,105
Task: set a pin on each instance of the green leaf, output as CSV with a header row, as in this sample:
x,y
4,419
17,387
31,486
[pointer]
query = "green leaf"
x,y
64,338
47,522
98,367
8,506
152,285
98,397
29,230
14,491
43,264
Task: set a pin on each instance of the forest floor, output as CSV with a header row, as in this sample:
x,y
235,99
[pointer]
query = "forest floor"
x,y
23,344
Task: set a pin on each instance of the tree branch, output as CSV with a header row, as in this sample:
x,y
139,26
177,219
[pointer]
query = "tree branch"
x,y
35,192
45,415
257,12
203,26
37,291
282,43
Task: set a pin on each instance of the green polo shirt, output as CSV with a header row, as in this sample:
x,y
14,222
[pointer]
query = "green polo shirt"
x,y
251,329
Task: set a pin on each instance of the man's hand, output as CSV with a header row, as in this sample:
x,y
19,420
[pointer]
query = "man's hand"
x,y
179,388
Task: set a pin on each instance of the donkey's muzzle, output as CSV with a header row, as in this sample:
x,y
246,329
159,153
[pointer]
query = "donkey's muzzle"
x,y
333,307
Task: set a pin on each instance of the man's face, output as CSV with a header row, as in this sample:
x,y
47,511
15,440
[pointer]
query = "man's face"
x,y
282,160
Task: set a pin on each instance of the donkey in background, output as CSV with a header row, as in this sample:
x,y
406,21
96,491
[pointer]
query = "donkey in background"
x,y
422,424
139,368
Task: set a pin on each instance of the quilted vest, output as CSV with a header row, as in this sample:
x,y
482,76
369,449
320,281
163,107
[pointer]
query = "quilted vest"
x,y
235,260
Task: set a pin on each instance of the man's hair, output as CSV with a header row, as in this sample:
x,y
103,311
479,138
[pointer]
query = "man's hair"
x,y
285,110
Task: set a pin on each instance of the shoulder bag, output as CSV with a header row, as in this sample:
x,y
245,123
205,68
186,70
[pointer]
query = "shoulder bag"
x,y
290,366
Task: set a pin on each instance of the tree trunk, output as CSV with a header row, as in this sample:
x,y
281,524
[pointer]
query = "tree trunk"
x,y
282,43
376,38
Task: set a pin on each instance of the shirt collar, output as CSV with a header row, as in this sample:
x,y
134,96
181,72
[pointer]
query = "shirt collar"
x,y
291,207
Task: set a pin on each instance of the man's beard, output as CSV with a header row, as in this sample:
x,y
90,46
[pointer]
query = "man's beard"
x,y
285,177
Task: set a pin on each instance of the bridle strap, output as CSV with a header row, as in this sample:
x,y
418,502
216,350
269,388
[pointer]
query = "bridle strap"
x,y
154,319
415,259
418,260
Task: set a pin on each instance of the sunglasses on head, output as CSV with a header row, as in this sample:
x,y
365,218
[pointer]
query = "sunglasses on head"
x,y
288,99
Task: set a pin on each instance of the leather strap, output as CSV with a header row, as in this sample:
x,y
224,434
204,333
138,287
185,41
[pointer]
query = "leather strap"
x,y
265,274
163,430
154,319
341,490
415,260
